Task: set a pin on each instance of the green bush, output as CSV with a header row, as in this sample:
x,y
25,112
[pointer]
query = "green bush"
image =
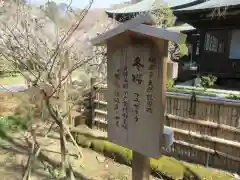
x,y
166,166
183,50
13,123
233,97
170,85
208,81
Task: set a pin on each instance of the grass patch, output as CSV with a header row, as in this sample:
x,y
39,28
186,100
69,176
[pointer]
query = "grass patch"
x,y
166,166
12,80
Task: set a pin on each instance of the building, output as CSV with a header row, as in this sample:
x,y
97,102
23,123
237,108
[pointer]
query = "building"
x,y
217,22
139,6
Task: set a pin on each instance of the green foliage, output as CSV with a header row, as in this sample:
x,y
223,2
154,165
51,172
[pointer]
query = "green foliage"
x,y
171,88
61,14
170,85
166,166
13,123
163,16
56,173
51,10
233,97
12,74
208,81
183,50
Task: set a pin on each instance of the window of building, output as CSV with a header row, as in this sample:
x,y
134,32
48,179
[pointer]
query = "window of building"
x,y
213,44
235,45
207,41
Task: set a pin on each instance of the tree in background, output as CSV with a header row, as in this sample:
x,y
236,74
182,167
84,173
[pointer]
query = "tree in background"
x,y
48,52
165,18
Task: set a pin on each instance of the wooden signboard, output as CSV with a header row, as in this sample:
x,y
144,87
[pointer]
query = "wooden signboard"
x,y
135,113
136,66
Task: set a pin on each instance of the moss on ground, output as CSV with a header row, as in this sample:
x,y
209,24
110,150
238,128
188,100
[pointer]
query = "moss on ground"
x,y
166,166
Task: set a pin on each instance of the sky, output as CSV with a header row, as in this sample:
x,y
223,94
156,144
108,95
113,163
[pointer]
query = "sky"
x,y
83,3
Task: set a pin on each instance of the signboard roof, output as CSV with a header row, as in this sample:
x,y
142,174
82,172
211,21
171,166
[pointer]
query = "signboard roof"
x,y
136,25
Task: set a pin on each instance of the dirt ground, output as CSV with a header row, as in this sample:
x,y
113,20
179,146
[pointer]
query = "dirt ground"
x,y
94,166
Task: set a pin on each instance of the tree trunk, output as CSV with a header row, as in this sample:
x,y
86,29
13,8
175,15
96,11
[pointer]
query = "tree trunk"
x,y
63,149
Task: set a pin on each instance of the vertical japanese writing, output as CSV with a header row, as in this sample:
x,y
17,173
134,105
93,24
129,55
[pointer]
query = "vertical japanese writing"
x,y
116,107
125,97
149,96
136,106
137,77
116,98
117,78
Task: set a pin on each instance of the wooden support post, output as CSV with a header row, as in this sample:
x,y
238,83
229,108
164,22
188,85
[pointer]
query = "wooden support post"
x,y
92,103
140,167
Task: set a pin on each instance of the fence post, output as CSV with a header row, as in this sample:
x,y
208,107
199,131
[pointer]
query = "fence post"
x,y
92,103
207,159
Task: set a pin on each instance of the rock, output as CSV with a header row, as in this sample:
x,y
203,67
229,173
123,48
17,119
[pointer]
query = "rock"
x,y
236,176
101,159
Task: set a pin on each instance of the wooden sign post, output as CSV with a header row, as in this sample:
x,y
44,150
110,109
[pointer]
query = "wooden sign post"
x,y
137,72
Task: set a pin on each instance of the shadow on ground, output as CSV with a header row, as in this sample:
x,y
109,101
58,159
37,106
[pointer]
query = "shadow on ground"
x,y
13,147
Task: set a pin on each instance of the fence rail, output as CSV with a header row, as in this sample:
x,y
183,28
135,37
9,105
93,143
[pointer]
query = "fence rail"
x,y
206,130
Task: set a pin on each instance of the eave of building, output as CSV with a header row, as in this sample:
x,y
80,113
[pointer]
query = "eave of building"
x,y
209,5
150,5
212,14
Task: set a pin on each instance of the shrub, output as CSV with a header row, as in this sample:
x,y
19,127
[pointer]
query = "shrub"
x,y
13,123
170,85
233,97
208,81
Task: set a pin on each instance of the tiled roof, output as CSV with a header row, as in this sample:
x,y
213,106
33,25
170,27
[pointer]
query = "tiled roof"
x,y
211,4
148,5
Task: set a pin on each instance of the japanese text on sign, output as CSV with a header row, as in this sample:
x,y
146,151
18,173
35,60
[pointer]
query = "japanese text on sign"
x,y
136,106
125,97
138,77
116,107
149,96
117,99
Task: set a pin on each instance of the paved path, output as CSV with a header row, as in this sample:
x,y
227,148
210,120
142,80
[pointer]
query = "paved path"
x,y
13,88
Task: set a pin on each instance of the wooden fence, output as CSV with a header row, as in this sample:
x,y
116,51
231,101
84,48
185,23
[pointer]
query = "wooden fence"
x,y
206,130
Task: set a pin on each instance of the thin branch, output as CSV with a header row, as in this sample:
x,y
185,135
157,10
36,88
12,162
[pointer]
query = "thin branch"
x,y
69,33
